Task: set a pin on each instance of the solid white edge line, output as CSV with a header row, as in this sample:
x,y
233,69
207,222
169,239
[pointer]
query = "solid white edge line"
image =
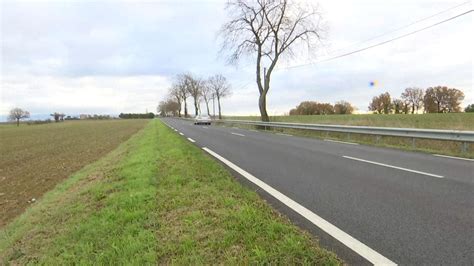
x,y
392,166
181,134
237,134
349,241
452,157
344,142
192,140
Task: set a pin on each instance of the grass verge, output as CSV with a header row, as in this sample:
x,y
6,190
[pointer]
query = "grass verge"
x,y
155,199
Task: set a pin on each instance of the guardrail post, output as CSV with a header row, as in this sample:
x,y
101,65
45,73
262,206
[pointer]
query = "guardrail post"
x,y
349,136
464,147
413,143
377,139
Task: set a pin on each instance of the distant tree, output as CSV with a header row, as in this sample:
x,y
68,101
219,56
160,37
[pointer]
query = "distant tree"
x,y
398,106
269,30
136,116
376,105
221,88
169,107
304,108
455,98
381,104
405,107
16,114
182,86
343,107
194,86
415,98
441,99
312,108
207,95
469,108
56,116
324,109
175,93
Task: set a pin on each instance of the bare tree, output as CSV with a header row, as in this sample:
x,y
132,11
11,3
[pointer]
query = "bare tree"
x,y
181,86
169,107
415,97
56,116
269,29
16,114
381,104
441,99
221,88
207,95
175,93
398,106
194,87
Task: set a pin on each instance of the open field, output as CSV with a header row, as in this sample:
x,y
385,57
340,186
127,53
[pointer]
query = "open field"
x,y
157,199
35,158
458,121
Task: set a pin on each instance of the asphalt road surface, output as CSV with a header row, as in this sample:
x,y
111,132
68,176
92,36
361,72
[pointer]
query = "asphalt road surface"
x,y
368,204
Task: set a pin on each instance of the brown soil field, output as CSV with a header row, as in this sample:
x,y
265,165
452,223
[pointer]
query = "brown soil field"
x,y
34,158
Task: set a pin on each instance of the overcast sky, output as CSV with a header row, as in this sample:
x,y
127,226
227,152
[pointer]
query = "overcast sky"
x,y
110,57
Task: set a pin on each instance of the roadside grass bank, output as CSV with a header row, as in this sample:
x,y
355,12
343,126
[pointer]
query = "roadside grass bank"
x,y
102,214
36,158
156,199
459,121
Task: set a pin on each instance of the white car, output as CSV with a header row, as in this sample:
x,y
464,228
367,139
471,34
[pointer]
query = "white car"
x,y
202,120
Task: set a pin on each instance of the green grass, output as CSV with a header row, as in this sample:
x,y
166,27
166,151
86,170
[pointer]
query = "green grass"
x,y
455,121
155,199
458,121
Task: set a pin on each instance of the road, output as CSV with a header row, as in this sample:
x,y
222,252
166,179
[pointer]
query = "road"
x,y
405,207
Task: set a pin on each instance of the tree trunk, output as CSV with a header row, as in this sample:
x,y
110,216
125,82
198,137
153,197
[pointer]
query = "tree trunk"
x,y
185,109
219,107
413,109
18,122
196,109
179,109
262,105
207,106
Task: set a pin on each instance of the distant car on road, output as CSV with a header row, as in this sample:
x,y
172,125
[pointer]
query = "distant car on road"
x,y
202,120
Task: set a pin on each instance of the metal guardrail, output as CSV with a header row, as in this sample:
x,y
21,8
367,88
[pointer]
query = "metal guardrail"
x,y
435,134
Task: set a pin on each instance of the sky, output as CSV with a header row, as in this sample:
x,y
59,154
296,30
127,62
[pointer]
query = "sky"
x,y
108,57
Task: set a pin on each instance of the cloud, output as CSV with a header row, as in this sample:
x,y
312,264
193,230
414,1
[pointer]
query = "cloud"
x,y
87,94
112,57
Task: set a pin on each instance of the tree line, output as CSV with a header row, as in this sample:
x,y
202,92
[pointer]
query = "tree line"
x,y
137,116
439,99
316,108
187,86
